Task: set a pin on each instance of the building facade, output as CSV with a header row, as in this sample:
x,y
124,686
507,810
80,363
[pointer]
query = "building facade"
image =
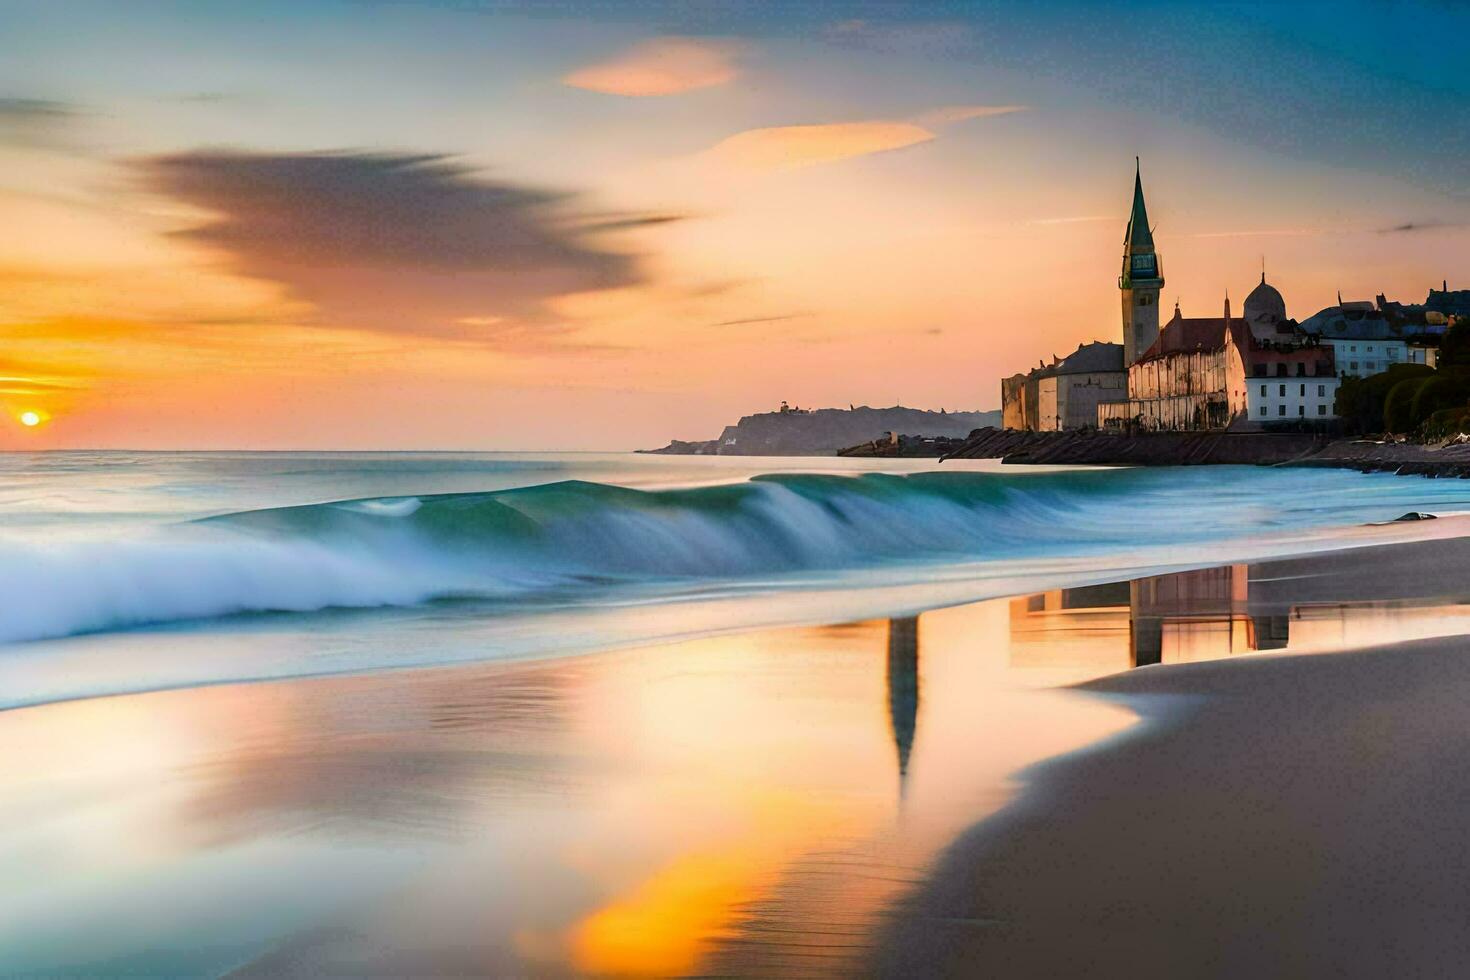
x,y
1065,393
1068,399
1202,373
1289,375
1371,337
1179,383
1260,369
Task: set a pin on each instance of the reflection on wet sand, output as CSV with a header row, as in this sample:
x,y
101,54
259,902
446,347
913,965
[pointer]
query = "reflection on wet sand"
x,y
1210,613
1175,618
748,803
903,687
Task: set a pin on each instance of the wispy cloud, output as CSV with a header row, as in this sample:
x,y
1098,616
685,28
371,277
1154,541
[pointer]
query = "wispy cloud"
x,y
1073,219
13,108
36,122
661,66
1261,233
950,114
759,319
790,147
24,386
401,242
1410,227
207,98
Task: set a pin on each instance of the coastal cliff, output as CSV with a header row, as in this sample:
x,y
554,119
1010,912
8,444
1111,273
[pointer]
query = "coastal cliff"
x,y
825,431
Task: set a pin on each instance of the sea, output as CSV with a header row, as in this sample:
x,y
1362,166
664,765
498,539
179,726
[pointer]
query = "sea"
x,y
334,562
554,713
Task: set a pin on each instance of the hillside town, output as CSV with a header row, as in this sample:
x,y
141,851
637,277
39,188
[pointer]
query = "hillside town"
x,y
1255,370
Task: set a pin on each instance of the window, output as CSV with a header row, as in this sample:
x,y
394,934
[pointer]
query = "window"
x,y
1263,409
1321,390
1283,391
1353,366
1321,409
1354,348
1263,391
1280,370
1144,299
1301,370
1280,409
1301,410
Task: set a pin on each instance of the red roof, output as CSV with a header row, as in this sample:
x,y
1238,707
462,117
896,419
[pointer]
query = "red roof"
x,y
1186,334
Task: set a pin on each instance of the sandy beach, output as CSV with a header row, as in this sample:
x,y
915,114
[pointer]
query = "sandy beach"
x,y
945,793
1273,815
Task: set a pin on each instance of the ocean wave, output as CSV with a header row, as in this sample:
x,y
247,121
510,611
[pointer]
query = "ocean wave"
x,y
582,537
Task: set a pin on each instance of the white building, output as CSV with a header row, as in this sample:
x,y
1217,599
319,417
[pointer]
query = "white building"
x,y
1295,381
1360,357
1286,399
1368,339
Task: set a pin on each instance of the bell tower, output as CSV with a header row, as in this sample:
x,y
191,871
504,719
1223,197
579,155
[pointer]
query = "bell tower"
x,y
1141,279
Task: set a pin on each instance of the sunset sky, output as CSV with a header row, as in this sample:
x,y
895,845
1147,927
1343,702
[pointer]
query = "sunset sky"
x,y
468,224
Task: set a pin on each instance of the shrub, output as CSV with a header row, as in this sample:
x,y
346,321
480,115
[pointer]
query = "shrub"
x,y
1448,388
1360,401
1454,350
1446,423
1398,406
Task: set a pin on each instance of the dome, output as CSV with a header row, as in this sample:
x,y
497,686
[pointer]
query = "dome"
x,y
1265,304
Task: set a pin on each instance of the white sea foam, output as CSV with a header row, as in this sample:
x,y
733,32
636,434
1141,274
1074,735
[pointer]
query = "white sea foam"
x,y
580,538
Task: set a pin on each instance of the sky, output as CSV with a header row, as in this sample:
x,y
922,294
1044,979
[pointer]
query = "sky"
x,y
347,224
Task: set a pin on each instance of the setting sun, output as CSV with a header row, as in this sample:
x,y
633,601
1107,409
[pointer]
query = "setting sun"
x,y
30,418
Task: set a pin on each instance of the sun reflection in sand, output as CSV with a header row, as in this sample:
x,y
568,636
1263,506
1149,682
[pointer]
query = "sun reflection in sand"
x,y
747,803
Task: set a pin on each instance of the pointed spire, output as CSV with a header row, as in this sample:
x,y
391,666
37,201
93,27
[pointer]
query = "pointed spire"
x,y
1227,304
903,690
1140,237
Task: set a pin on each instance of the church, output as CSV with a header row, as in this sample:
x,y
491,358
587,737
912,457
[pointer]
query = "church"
x,y
1256,370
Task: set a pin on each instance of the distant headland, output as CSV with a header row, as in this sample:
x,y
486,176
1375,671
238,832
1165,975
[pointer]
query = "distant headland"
x,y
792,431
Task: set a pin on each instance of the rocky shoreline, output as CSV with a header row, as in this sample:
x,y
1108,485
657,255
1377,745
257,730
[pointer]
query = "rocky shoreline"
x,y
1207,448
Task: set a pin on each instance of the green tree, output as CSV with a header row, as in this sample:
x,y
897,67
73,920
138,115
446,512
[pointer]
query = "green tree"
x,y
1454,350
1360,400
1398,406
1447,388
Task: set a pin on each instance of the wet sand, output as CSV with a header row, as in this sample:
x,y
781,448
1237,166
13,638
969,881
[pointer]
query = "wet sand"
x,y
762,802
737,804
1275,815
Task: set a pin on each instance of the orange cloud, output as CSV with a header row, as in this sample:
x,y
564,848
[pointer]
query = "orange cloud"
x,y
662,66
789,147
944,115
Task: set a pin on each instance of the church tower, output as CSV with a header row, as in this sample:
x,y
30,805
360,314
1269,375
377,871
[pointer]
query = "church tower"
x,y
1141,280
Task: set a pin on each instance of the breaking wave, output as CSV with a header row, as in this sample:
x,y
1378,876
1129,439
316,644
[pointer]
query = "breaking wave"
x,y
575,538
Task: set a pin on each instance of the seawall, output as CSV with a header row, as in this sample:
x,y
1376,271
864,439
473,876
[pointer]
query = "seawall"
x,y
1148,449
1206,448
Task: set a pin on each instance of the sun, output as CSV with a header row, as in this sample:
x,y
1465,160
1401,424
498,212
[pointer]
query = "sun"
x,y
30,418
